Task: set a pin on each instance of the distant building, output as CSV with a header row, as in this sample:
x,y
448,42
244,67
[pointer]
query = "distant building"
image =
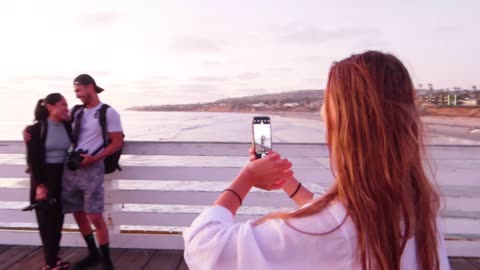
x,y
446,97
290,105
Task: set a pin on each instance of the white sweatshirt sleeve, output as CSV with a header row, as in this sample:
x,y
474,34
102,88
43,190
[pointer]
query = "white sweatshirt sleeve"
x,y
214,241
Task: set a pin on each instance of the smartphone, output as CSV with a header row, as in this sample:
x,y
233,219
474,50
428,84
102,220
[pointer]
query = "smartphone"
x,y
262,136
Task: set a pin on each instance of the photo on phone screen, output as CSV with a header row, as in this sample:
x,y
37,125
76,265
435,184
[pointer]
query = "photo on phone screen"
x,y
262,136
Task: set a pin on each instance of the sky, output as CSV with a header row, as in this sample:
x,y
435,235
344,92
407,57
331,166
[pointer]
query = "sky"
x,y
188,51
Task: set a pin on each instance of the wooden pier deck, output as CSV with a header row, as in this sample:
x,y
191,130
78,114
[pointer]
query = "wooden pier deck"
x,y
30,257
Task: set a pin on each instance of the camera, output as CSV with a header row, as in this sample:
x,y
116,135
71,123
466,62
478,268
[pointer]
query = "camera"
x,y
39,204
75,159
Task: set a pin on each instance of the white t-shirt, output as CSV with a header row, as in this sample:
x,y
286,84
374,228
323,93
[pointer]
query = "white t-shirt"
x,y
215,242
91,137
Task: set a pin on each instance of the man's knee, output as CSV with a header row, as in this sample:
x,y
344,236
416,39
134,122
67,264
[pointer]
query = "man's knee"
x,y
80,215
96,219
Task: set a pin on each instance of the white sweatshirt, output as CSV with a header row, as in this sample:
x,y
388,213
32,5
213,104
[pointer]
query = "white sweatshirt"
x,y
214,241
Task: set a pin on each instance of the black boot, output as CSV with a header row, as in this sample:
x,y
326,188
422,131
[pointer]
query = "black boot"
x,y
107,263
93,257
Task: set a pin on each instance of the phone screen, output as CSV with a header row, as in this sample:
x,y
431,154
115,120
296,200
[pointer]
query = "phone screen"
x,y
262,136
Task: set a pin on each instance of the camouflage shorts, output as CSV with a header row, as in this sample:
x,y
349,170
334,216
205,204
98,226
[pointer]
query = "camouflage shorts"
x,y
83,189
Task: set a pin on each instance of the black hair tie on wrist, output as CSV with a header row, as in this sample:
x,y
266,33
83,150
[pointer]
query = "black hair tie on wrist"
x,y
296,190
236,194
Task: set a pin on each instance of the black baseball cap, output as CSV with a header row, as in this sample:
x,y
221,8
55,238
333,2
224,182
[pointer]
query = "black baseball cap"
x,y
85,79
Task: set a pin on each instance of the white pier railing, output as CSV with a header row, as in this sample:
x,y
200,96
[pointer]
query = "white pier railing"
x,y
164,185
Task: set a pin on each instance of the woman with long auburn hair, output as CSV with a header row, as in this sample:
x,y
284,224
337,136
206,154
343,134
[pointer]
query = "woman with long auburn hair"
x,y
381,211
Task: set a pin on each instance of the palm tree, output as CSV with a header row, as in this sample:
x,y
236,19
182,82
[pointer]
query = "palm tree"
x,y
430,86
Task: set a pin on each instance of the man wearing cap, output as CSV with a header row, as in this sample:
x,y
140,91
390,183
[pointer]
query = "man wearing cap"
x,y
83,189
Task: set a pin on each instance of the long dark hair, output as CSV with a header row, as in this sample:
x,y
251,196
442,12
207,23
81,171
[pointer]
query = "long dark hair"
x,y
41,111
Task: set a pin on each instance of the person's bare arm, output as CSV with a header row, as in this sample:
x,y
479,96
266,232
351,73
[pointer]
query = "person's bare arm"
x,y
301,196
115,145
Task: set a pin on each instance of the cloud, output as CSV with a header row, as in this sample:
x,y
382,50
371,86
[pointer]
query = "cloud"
x,y
20,79
310,34
147,85
99,18
211,63
249,91
161,78
211,78
249,75
444,29
194,44
194,88
317,82
280,69
96,74
310,59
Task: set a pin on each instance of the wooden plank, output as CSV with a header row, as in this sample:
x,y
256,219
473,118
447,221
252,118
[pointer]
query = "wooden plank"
x,y
459,248
257,198
12,147
475,261
3,248
454,152
33,260
461,264
220,149
149,241
194,148
153,218
191,173
14,254
463,248
75,254
165,259
457,198
134,259
20,237
455,222
170,197
17,216
183,266
194,173
450,152
461,225
72,254
14,194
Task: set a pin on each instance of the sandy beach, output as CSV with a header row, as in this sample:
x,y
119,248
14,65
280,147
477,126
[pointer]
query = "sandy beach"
x,y
458,127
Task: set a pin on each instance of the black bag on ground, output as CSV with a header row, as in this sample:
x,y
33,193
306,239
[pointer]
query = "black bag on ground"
x,y
111,162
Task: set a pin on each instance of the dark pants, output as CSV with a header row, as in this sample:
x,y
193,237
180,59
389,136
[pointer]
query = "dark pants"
x,y
50,216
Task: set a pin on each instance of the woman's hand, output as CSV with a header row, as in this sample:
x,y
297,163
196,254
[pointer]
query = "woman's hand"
x,y
41,193
269,172
273,186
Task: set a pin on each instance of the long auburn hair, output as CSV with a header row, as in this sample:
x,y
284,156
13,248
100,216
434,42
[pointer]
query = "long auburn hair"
x,y
374,135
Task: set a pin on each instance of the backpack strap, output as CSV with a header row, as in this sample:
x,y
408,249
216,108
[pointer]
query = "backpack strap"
x,y
74,111
102,120
76,128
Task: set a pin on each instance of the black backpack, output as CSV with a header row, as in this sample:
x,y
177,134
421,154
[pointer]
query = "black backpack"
x,y
111,162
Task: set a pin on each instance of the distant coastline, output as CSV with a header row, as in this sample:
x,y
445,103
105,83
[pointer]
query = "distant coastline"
x,y
301,104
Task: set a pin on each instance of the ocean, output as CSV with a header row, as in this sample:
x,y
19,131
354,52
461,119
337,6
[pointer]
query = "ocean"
x,y
186,126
